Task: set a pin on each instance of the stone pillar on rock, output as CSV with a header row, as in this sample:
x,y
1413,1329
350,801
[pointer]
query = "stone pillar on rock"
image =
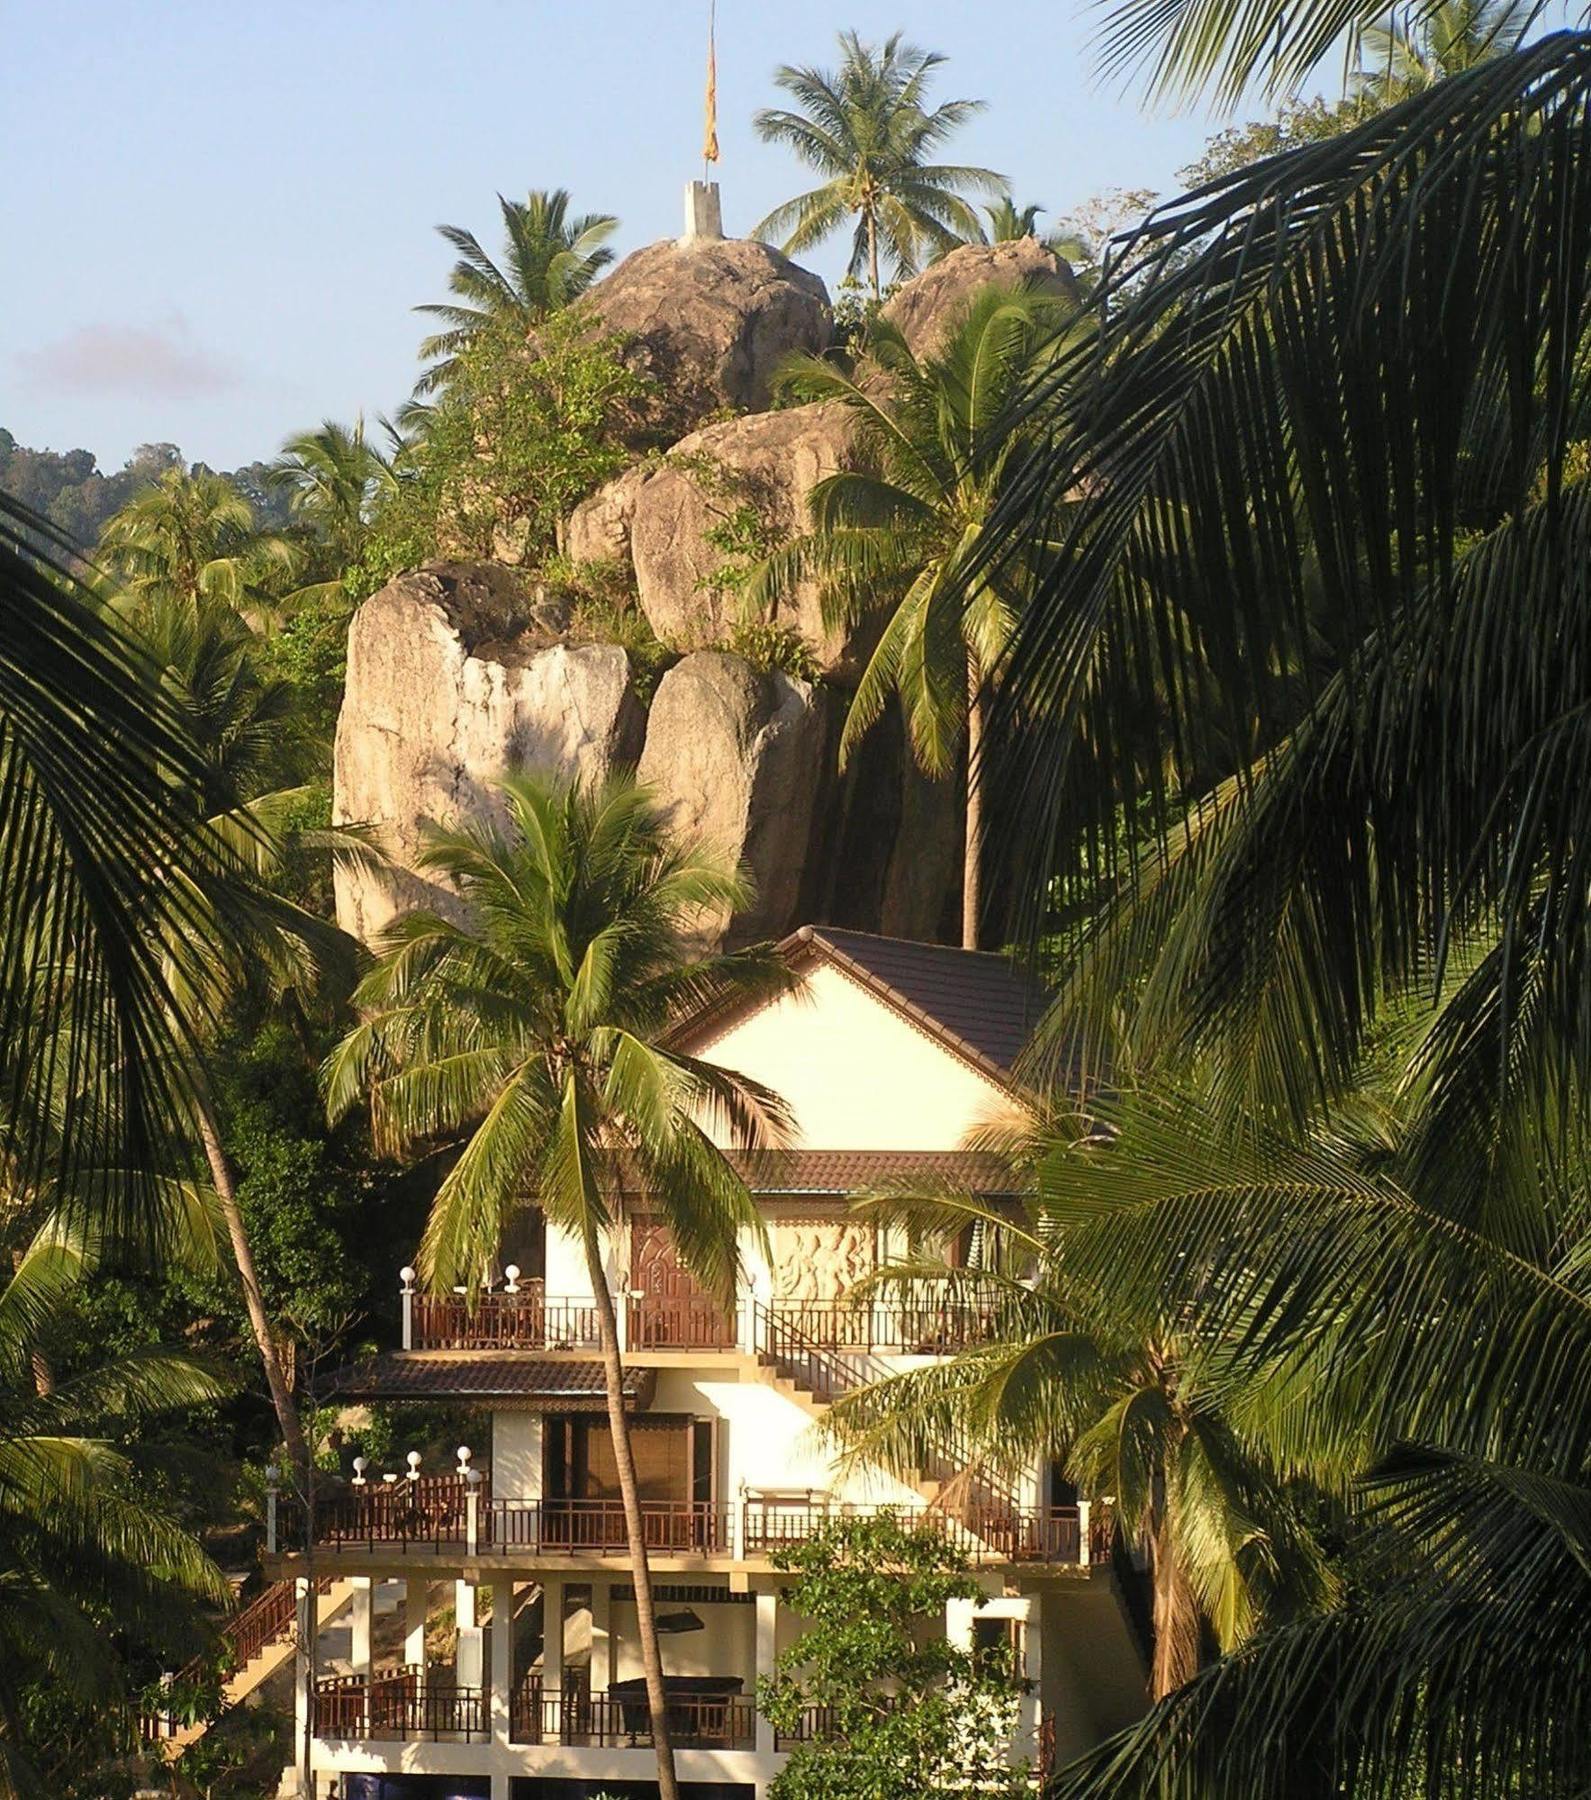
x,y
704,222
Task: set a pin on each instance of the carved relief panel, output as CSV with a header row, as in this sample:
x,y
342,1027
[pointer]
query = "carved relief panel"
x,y
820,1258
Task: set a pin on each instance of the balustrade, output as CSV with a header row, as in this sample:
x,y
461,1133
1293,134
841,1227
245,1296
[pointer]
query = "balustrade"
x,y
578,1718
406,1704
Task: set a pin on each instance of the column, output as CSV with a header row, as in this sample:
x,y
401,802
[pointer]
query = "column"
x,y
1030,1714
502,1680
416,1594
552,1635
604,1652
958,1623
359,1636
767,1651
306,1630
468,1660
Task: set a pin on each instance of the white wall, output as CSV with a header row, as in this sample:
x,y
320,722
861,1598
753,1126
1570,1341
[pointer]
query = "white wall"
x,y
516,1455
857,1075
727,1647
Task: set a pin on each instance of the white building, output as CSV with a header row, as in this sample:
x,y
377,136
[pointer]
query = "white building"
x,y
889,1054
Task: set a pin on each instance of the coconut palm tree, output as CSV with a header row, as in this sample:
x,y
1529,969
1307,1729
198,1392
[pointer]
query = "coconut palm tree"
x,y
904,529
1306,506
331,477
1403,57
81,1538
865,128
550,259
192,536
99,811
1110,1386
1008,223
535,1037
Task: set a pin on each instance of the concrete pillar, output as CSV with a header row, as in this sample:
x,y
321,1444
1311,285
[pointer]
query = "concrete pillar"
x,y
1030,1712
359,1637
552,1635
767,1652
468,1661
307,1622
416,1594
502,1678
604,1648
703,216
958,1623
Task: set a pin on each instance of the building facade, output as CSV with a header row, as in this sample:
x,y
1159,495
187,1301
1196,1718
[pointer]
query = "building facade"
x,y
485,1639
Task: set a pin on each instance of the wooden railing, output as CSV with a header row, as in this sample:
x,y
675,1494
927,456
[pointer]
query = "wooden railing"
x,y
398,1703
653,1324
602,1721
987,1534
267,1619
527,1320
430,1512
597,1526
929,1329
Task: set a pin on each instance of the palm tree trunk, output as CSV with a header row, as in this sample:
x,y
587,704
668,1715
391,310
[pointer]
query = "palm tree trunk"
x,y
972,854
281,1395
1176,1612
640,1569
872,251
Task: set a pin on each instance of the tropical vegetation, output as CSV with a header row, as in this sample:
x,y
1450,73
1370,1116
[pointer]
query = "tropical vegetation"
x,y
902,532
867,129
532,1039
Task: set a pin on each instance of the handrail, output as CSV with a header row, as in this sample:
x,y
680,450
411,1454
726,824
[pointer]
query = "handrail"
x,y
582,1719
404,1703
826,1375
984,1534
526,1320
683,1527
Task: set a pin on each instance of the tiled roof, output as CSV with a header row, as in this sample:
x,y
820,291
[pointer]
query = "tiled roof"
x,y
775,1172
533,1383
981,1004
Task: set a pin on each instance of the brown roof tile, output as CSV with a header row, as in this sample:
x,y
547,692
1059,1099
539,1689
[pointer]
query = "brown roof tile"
x,y
523,1379
840,1172
983,1004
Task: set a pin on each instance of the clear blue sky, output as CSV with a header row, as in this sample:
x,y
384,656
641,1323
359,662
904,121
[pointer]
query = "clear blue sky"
x,y
218,215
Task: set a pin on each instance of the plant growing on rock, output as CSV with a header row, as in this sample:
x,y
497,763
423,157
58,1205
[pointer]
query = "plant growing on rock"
x,y
866,129
904,531
551,259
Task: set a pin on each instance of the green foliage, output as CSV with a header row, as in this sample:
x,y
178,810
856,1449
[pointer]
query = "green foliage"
x,y
604,609
866,129
531,1036
767,646
1295,123
551,260
523,432
906,1712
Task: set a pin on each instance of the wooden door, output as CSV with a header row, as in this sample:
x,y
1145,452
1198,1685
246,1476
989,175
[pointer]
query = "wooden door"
x,y
669,1308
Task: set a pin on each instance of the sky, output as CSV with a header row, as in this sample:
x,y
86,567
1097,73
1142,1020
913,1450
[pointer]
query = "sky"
x,y
219,216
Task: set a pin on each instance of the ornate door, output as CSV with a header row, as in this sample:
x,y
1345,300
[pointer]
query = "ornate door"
x,y
669,1308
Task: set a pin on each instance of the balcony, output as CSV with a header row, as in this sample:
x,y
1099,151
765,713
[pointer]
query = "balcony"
x,y
403,1705
577,1718
526,1319
522,1316
442,1515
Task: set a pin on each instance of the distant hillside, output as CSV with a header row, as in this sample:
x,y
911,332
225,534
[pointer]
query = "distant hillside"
x,y
69,488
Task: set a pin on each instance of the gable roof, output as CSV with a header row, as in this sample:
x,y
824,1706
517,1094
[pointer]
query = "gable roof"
x,y
977,1003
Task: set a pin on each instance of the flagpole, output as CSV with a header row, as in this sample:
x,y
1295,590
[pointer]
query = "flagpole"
x,y
710,138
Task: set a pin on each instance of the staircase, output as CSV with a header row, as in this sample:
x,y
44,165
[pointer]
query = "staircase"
x,y
258,1641
814,1377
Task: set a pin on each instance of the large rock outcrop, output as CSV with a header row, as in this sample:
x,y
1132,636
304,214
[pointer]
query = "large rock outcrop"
x,y
450,681
739,758
768,462
710,320
929,304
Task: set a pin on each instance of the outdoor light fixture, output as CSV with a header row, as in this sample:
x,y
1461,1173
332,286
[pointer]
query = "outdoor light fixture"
x,y
675,1622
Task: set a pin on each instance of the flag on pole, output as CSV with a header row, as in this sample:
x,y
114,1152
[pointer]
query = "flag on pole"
x,y
710,140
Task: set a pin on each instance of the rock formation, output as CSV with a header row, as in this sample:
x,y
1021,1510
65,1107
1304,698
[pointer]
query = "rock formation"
x,y
449,682
739,757
929,304
710,320
769,462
